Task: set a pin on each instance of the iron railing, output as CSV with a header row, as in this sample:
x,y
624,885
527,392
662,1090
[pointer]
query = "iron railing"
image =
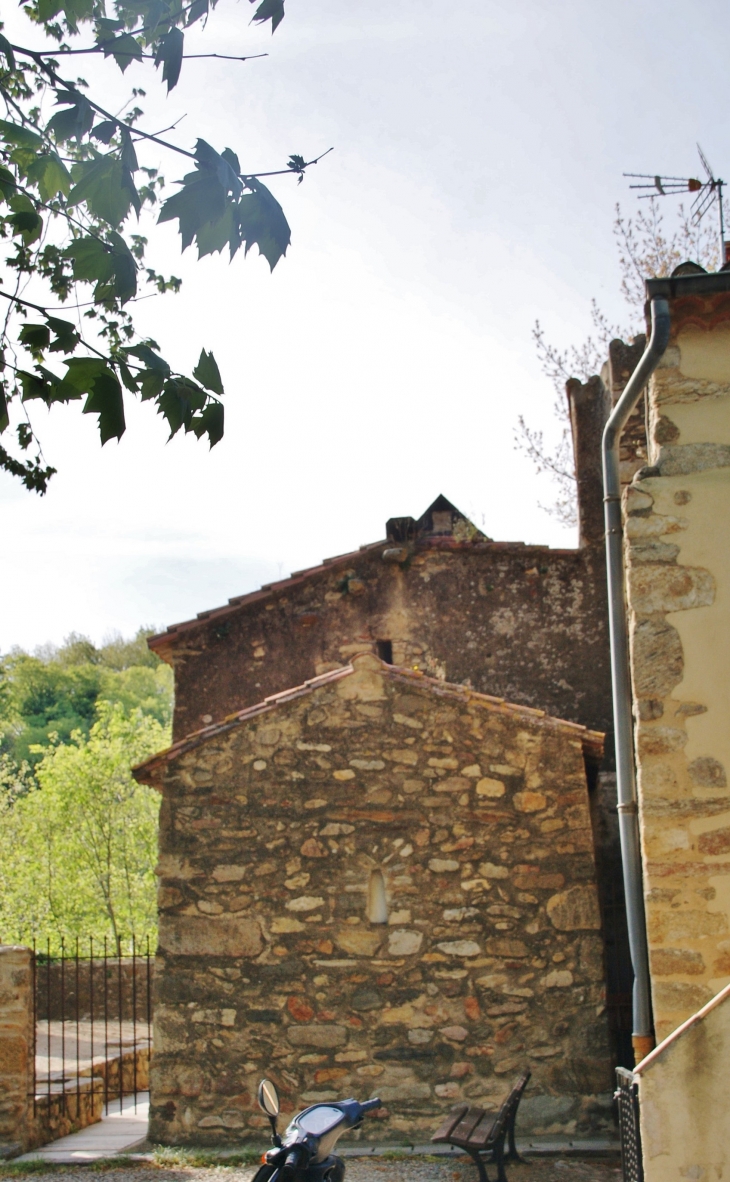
x,y
92,1023
627,1099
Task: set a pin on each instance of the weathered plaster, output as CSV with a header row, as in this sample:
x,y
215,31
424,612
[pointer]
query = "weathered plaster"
x,y
683,1094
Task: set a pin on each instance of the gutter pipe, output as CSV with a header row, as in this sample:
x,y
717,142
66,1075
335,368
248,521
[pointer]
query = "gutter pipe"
x,y
628,812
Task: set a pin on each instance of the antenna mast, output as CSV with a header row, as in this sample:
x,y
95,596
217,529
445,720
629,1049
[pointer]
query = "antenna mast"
x,y
707,192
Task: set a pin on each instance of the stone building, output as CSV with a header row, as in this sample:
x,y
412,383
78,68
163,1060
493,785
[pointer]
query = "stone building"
x,y
678,589
378,882
462,618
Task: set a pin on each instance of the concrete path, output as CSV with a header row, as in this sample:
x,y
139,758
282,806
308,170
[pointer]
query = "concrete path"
x,y
117,1132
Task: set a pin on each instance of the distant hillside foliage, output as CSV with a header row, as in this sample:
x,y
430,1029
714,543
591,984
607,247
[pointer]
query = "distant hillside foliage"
x,y
56,690
78,835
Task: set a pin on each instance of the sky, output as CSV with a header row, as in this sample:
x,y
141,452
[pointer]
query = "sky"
x,y
478,156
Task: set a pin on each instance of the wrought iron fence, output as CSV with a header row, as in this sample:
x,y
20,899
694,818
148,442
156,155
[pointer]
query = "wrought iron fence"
x,y
627,1098
93,1027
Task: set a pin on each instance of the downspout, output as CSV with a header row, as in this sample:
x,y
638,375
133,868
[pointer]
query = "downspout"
x,y
628,813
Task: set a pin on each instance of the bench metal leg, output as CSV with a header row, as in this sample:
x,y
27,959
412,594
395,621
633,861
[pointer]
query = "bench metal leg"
x,y
512,1154
474,1155
499,1159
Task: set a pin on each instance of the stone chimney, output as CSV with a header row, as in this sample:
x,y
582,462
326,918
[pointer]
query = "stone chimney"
x,y
589,404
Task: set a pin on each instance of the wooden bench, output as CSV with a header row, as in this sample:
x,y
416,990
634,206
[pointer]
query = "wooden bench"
x,y
484,1133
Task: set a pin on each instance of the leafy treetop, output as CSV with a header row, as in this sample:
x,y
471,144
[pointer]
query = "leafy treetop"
x,y
69,185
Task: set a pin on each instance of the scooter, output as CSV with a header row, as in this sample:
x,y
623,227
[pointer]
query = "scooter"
x,y
304,1153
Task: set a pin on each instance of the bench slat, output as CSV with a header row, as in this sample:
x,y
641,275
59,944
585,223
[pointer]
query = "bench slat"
x,y
482,1133
466,1125
444,1132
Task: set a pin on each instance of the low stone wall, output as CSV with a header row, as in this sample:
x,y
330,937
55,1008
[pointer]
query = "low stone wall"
x,y
16,1046
59,1114
378,884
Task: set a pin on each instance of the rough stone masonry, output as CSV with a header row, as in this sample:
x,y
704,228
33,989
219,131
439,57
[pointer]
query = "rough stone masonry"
x,y
377,883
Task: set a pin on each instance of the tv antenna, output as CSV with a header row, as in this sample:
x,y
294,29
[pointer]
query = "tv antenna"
x,y
706,192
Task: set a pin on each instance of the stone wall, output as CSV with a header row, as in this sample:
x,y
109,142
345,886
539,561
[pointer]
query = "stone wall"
x,y
377,884
522,622
678,563
16,1047
683,1099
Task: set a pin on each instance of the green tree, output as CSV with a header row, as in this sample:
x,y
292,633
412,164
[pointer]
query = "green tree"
x,y
69,184
77,852
57,691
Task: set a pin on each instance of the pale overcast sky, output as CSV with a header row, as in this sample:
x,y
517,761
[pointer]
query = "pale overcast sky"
x,y
479,148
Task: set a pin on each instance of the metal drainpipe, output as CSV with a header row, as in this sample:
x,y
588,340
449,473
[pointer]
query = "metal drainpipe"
x,y
643,1036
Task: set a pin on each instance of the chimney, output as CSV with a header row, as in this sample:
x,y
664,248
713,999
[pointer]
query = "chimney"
x,y
590,405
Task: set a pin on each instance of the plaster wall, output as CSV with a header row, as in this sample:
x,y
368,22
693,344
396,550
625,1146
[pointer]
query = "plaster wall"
x,y
678,561
683,1089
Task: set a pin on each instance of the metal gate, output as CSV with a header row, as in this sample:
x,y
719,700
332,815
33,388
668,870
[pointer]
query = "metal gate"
x,y
627,1098
93,1030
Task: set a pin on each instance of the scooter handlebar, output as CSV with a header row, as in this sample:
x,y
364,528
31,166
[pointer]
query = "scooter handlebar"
x,y
370,1104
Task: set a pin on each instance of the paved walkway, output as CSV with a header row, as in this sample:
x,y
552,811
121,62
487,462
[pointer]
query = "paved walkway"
x,y
117,1132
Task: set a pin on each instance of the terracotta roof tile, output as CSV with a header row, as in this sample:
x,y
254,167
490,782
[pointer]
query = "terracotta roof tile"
x,y
146,772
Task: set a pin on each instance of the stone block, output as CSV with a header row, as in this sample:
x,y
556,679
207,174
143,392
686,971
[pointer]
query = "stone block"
x,y
574,909
320,1035
185,935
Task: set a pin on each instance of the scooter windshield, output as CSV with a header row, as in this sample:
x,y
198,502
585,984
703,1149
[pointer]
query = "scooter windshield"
x,y
319,1120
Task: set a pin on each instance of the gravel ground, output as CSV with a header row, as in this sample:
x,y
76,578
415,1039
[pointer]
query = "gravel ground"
x,y
552,1169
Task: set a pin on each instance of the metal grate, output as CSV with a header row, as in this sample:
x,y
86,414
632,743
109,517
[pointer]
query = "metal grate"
x,y
627,1098
92,1023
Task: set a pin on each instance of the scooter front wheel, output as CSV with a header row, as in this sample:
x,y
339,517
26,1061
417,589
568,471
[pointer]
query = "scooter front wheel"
x,y
266,1173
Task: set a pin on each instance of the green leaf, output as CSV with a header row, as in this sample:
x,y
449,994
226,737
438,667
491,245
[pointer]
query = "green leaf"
x,y
105,130
24,218
125,268
4,417
149,358
46,386
106,187
214,236
207,373
210,423
75,121
197,9
82,372
169,53
107,401
92,260
269,10
51,176
7,49
67,336
124,49
201,200
35,337
7,183
15,133
231,158
179,399
128,156
261,222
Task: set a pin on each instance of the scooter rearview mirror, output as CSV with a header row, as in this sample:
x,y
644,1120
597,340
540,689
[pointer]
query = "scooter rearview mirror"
x,y
269,1099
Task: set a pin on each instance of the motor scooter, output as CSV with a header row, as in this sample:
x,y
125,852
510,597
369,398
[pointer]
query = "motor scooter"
x,y
304,1153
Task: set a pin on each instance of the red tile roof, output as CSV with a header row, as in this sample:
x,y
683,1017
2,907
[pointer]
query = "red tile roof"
x,y
163,642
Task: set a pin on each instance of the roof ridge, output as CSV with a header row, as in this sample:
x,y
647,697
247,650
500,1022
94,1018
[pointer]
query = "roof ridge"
x,y
396,672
